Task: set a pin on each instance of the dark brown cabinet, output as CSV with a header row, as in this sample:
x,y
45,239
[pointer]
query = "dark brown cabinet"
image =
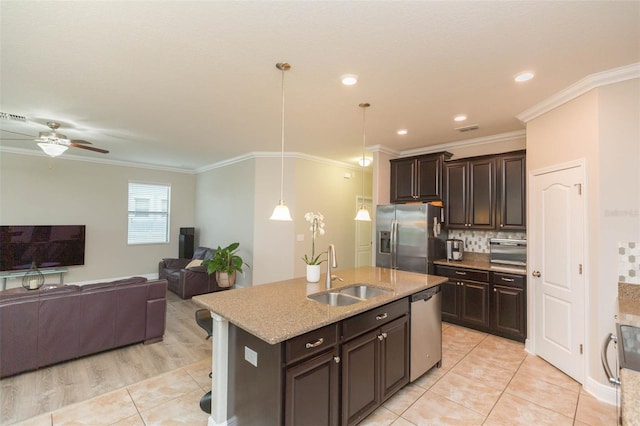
x,y
465,297
375,359
488,301
508,306
312,389
470,197
511,191
417,178
312,378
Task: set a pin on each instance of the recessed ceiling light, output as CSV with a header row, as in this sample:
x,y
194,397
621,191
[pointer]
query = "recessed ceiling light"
x,y
523,76
366,162
402,132
460,117
349,79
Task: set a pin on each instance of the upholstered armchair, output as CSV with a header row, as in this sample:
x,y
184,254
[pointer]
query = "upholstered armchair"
x,y
187,277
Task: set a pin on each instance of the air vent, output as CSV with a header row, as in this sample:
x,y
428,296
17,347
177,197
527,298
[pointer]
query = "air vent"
x,y
467,128
12,117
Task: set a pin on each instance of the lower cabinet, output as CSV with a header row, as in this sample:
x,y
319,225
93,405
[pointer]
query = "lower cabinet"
x,y
509,306
374,366
487,301
465,297
312,390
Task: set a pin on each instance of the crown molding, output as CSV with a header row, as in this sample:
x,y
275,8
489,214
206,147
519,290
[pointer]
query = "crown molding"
x,y
485,140
37,153
274,154
581,87
384,149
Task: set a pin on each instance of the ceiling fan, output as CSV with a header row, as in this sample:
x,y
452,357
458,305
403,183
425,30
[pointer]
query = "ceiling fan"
x,y
54,143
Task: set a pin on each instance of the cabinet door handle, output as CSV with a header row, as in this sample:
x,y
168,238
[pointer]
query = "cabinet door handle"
x,y
381,317
461,273
382,336
509,280
536,274
336,359
315,344
495,291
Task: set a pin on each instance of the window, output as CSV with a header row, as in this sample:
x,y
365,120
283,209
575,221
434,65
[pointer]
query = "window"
x,y
148,213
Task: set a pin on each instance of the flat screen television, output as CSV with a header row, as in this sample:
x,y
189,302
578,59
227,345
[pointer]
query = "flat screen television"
x,y
49,246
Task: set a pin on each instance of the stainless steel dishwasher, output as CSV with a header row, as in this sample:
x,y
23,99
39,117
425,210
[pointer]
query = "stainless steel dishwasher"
x,y
426,331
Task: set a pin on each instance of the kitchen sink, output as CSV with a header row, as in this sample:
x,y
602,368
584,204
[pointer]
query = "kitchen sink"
x,y
363,291
334,299
348,295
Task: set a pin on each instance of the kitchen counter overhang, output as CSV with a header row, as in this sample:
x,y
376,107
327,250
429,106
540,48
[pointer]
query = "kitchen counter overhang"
x,y
280,311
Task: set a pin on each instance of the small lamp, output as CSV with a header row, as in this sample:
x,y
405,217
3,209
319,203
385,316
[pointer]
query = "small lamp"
x,y
363,213
281,211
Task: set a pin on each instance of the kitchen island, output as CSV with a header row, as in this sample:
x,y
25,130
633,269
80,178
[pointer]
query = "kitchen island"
x,y
256,328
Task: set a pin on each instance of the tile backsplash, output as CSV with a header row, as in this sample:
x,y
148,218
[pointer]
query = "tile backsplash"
x,y
629,263
478,241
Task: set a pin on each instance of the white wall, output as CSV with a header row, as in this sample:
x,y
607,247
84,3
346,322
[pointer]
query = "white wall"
x,y
35,190
224,211
601,127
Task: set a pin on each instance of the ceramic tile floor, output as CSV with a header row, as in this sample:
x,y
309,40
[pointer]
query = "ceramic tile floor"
x,y
484,380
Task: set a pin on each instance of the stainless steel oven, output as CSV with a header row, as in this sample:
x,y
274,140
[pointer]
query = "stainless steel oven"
x,y
508,252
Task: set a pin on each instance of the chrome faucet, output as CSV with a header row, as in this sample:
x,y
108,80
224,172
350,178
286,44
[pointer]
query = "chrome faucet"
x,y
331,262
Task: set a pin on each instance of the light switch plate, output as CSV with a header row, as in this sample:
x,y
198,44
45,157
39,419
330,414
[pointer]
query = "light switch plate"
x,y
251,356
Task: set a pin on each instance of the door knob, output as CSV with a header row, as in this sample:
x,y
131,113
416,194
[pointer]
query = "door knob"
x,y
536,274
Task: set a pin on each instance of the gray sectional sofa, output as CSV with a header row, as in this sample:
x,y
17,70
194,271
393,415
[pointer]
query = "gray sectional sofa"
x,y
59,323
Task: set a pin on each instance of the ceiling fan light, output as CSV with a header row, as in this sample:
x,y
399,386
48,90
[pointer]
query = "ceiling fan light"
x,y
281,212
52,149
363,215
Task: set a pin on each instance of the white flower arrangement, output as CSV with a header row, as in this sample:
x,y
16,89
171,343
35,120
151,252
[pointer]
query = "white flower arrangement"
x,y
317,227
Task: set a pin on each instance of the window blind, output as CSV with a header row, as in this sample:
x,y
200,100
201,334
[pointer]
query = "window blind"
x,y
148,213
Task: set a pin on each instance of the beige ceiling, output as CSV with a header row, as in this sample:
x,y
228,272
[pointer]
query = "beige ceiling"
x,y
189,84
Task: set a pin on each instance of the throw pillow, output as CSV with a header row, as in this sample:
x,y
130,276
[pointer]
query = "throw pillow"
x,y
194,262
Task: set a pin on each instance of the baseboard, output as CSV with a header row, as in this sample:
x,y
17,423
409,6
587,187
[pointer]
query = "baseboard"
x,y
605,393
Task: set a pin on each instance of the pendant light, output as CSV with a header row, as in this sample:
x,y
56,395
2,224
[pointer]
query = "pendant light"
x,y
281,211
363,213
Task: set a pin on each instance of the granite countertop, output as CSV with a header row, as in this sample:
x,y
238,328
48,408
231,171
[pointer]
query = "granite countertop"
x,y
629,304
481,261
281,310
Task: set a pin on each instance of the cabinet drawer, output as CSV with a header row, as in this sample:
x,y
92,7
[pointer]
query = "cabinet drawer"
x,y
369,320
310,343
462,273
511,280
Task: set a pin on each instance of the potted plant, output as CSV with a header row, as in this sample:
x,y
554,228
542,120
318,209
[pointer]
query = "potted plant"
x,y
313,262
225,262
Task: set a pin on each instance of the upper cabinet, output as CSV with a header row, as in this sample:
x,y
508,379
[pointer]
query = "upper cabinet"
x,y
512,191
470,197
487,192
418,178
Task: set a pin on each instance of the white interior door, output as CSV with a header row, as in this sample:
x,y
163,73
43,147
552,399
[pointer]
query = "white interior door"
x,y
557,241
363,236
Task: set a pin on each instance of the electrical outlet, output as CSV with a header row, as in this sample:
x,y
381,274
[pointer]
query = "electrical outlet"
x,y
251,356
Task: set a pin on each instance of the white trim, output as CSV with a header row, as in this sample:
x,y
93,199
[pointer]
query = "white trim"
x,y
581,87
268,154
485,140
604,393
220,370
72,157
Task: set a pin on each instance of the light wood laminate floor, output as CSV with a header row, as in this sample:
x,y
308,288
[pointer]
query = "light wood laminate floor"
x,y
484,380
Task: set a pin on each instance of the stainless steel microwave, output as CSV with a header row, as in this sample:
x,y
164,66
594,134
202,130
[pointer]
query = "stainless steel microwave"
x,y
509,252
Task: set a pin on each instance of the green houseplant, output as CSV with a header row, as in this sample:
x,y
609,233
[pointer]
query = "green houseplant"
x,y
225,262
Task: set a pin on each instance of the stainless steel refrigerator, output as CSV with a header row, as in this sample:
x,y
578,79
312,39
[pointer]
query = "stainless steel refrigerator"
x,y
409,237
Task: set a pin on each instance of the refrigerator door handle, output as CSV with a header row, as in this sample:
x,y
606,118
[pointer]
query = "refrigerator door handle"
x,y
394,239
605,362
